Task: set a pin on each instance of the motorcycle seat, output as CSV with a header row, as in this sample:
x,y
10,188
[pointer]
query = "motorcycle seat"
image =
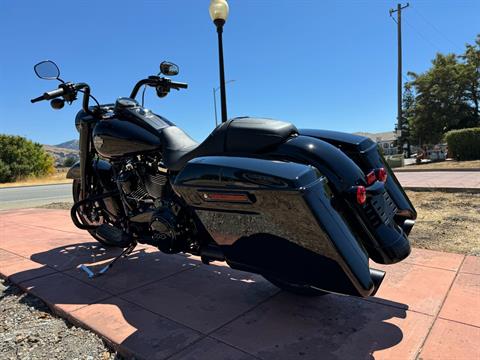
x,y
238,136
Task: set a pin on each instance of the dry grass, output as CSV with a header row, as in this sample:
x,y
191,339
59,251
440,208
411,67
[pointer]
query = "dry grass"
x,y
59,177
449,164
446,221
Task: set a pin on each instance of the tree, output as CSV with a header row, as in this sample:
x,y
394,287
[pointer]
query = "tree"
x,y
445,97
440,99
69,161
471,69
408,111
20,158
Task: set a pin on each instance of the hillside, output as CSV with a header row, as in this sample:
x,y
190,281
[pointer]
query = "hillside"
x,y
63,151
72,144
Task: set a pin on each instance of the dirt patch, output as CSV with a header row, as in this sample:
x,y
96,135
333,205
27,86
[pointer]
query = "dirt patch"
x,y
57,205
28,330
446,221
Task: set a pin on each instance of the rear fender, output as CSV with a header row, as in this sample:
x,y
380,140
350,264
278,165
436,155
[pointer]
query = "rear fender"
x,y
341,172
364,152
383,223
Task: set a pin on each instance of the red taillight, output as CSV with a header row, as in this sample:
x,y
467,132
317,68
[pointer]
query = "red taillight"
x,y
361,195
371,177
381,174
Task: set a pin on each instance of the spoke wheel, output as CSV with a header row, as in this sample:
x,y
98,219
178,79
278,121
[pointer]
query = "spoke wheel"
x,y
85,220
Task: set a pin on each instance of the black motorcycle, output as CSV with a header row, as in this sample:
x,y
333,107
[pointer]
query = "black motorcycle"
x,y
306,209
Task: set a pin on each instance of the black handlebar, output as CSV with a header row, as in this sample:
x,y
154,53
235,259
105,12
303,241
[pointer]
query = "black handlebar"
x,y
157,81
69,92
40,98
49,95
178,85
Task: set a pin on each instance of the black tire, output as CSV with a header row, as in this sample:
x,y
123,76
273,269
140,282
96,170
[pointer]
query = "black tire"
x,y
297,289
76,196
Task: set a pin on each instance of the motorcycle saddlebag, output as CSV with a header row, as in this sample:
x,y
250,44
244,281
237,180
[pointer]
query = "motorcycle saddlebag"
x,y
275,218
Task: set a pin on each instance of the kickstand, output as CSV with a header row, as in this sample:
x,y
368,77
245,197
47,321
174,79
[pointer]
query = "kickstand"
x,y
124,253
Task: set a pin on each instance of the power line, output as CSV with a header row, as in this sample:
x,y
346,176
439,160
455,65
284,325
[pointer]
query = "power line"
x,y
434,27
424,38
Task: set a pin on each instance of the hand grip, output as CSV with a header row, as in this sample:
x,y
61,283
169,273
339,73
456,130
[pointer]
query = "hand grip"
x,y
53,94
49,95
40,98
178,85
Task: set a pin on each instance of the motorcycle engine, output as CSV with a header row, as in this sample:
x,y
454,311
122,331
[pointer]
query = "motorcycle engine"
x,y
142,180
157,219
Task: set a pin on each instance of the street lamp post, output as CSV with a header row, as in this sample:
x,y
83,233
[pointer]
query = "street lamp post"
x,y
219,12
215,100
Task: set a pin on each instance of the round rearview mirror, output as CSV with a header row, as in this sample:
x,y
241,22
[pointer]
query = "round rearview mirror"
x,y
47,70
168,68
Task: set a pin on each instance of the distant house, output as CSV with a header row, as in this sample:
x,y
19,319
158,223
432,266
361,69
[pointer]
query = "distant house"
x,y
386,140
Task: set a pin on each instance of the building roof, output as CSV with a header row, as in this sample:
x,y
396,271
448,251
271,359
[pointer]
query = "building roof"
x,y
383,136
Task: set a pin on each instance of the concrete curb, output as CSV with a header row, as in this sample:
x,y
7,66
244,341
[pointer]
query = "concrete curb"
x,y
23,186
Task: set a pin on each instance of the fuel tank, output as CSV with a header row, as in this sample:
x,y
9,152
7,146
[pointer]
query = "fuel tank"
x,y
131,129
116,138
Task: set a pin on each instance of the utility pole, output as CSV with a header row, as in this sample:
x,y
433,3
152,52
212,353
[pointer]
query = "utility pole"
x,y
399,74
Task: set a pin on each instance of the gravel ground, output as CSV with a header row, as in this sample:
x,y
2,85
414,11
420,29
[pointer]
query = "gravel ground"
x,y
28,330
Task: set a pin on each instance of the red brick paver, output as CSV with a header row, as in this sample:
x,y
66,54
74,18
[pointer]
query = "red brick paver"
x,y
157,306
440,179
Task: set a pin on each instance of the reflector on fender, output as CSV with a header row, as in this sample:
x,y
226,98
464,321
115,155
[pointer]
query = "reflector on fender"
x,y
226,197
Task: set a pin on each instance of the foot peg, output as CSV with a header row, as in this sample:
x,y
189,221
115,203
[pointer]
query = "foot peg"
x,y
107,267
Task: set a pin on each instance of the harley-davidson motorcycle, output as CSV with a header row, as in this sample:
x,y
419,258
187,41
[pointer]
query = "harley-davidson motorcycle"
x,y
306,209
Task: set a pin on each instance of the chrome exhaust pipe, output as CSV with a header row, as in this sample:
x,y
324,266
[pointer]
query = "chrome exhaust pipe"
x,y
377,278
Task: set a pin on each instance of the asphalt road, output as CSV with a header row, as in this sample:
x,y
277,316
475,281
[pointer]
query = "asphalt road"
x,y
32,196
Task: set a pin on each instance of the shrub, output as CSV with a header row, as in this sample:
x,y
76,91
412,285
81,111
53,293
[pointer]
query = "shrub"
x,y
69,161
464,144
20,158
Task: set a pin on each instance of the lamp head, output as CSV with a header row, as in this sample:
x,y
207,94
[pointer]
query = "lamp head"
x,y
218,11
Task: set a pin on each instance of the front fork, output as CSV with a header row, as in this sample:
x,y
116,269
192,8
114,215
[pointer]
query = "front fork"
x,y
85,157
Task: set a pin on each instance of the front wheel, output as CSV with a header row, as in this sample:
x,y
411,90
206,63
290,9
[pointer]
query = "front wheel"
x,y
85,220
295,288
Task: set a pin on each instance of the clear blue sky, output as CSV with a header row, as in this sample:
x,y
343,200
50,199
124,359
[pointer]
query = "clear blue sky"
x,y
318,64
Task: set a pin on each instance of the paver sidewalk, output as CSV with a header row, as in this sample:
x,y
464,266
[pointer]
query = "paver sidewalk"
x,y
156,306
440,179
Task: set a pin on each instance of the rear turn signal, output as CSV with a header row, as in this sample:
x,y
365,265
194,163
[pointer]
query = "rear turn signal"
x,y
381,174
361,195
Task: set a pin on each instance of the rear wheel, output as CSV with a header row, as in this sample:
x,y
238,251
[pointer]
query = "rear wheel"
x,y
85,220
295,288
